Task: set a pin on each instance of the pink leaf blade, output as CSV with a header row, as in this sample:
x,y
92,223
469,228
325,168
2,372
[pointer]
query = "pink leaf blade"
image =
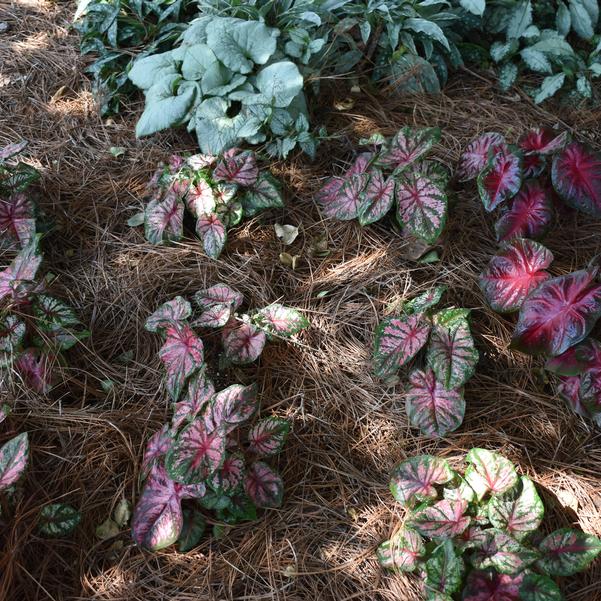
x,y
475,157
35,368
168,314
414,479
214,317
345,204
566,552
199,391
17,220
500,180
486,585
408,145
542,140
489,472
377,199
156,448
230,476
281,321
14,456
402,552
244,344
443,520
577,359
218,294
268,436
233,406
240,168
164,220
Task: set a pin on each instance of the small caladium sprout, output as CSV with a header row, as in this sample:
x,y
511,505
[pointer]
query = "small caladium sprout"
x,y
402,552
264,486
277,320
501,179
475,157
425,301
14,456
35,370
58,520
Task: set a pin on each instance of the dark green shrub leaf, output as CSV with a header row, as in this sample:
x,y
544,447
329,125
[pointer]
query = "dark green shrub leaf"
x,y
58,520
444,571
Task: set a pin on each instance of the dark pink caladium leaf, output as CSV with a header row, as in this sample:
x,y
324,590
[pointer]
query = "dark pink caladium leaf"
x,y
18,278
475,157
589,393
14,456
503,553
229,477
500,180
569,389
397,341
12,149
347,201
200,199
168,314
35,369
408,145
542,140
244,344
577,359
281,321
378,198
421,206
164,220
566,552
513,273
432,408
402,552
360,164
487,585
237,168
198,393
195,454
560,313
533,165
530,215
211,231
214,317
576,176
182,354
414,479
445,519
489,472
268,435
232,406
219,294
156,448
17,218
264,486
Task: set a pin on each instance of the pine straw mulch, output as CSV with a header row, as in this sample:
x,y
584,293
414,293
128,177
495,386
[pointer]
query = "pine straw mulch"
x,y
348,430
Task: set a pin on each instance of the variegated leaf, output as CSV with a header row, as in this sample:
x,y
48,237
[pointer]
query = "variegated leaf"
x,y
408,145
503,553
281,321
425,301
443,520
266,193
268,435
487,585
414,479
402,552
17,220
232,406
57,322
214,317
200,199
58,520
360,164
156,448
533,165
168,314
18,278
14,456
577,359
500,180
475,157
536,587
444,572
264,486
193,527
489,472
12,333
219,294
229,477
198,393
10,150
345,204
566,552
473,537
164,220
237,167
542,140
35,369
377,198
211,231
244,344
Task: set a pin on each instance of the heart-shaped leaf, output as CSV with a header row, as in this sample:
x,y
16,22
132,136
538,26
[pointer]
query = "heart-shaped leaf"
x,y
425,301
200,199
244,344
475,156
35,368
566,552
489,472
12,333
568,388
577,359
503,553
281,321
589,394
487,585
211,231
267,436
500,180
229,477
443,520
198,393
57,321
219,294
560,313
378,198
444,571
513,273
156,448
193,527
164,220
402,552
17,220
237,167
14,456
408,145
414,479
264,487
58,520
536,587
346,202
360,164
432,408
233,406
542,140
168,314
18,278
214,317
264,194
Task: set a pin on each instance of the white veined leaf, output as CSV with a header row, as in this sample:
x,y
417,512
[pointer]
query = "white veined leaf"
x,y
536,60
520,20
583,85
549,86
508,73
501,50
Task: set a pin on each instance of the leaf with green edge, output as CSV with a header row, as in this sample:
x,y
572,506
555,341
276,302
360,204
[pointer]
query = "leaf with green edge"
x,y
12,333
182,354
425,301
408,145
503,553
577,359
58,520
475,157
414,479
536,60
377,198
542,140
421,206
214,317
229,477
237,167
432,408
361,164
513,273
198,393
489,472
268,436
168,314
17,219
476,7
164,220
218,294
444,572
266,193
487,585
231,407
57,322
397,341
17,279
508,74
280,320
566,552
402,551
35,368
264,486
345,204
200,198
212,232
443,520
156,448
14,456
428,28
536,587
500,180
244,344
193,527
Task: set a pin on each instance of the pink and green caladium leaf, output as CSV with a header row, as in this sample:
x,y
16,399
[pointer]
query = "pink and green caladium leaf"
x,y
402,551
503,553
530,215
211,231
168,314
265,193
421,206
200,199
57,323
577,359
425,301
566,552
13,149
12,333
414,479
500,180
17,280
487,585
231,407
268,435
473,537
475,157
182,354
513,273
360,164
164,220
576,176
193,527
378,198
589,393
560,313
244,344
397,341
444,572
445,519
58,520
214,317
281,321
536,587
345,204
489,472
237,167
198,393
408,145
14,456
264,486
219,294
432,408
542,140
35,368
196,453
229,477
156,448
17,221
568,389
519,511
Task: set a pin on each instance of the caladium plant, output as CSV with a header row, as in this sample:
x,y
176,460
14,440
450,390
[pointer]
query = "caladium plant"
x,y
474,534
218,192
434,394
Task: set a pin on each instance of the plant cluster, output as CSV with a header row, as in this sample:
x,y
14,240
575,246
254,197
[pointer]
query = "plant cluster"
x,y
211,454
393,171
478,533
218,193
556,314
434,396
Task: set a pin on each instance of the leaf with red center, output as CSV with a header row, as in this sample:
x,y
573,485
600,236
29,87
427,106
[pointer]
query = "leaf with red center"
x,y
12,149
414,478
182,354
360,164
164,220
237,168
475,156
444,572
232,406
397,341
168,314
542,140
347,201
530,215
12,333
445,519
264,486
432,408
500,180
17,219
198,393
35,369
214,317
267,436
560,313
219,294
566,552
513,273
569,389
244,344
201,199
533,165
577,359
589,394
425,301
421,206
211,231
503,553
377,198
281,321
229,477
196,453
408,145
487,585
402,552
14,456
56,322
266,193
329,191
156,448
576,176
17,279
489,472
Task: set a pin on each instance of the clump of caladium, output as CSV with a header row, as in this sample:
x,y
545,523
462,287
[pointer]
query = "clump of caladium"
x,y
434,396
477,534
393,171
216,192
